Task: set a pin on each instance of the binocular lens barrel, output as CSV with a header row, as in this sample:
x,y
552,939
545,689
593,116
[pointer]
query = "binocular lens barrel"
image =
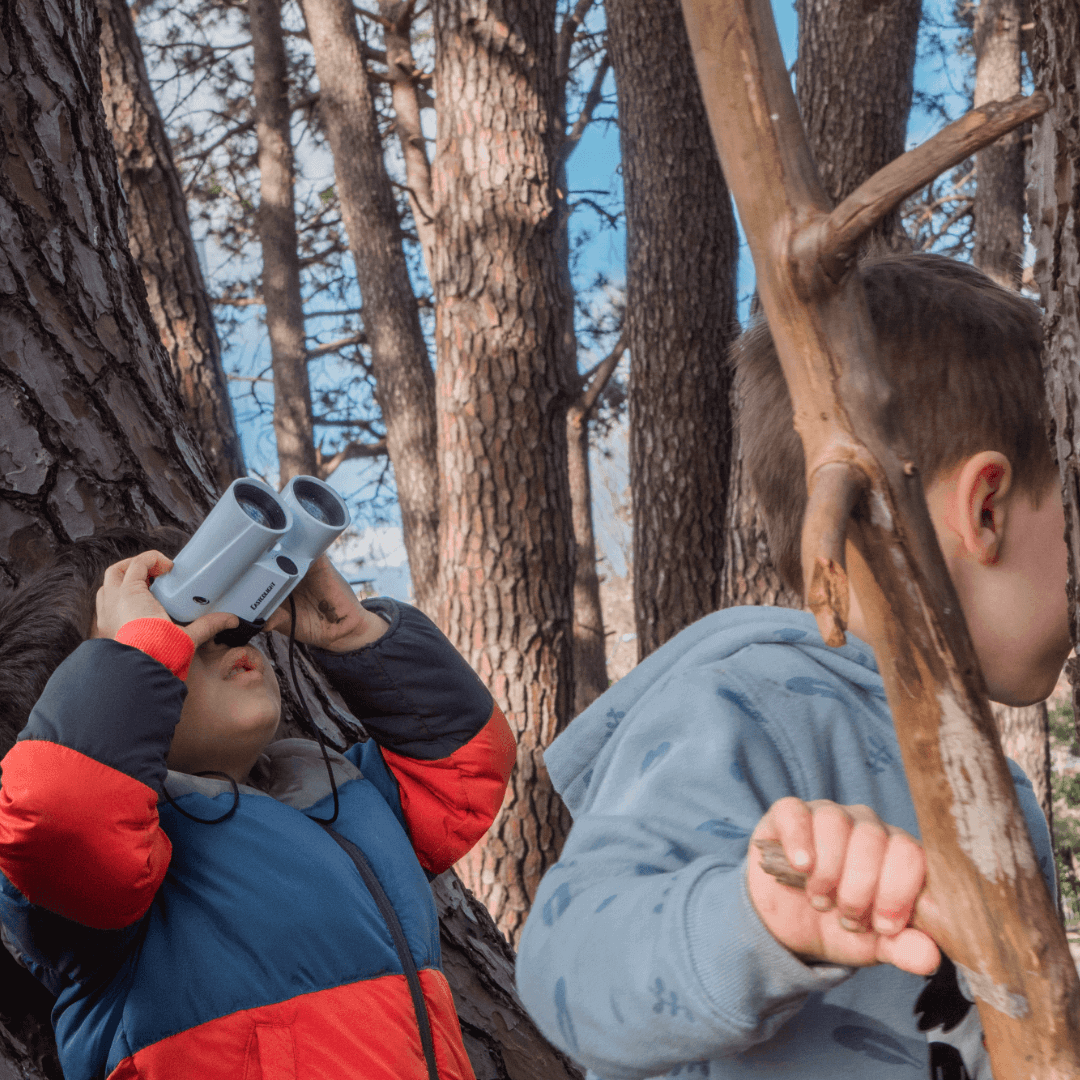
x,y
319,504
259,506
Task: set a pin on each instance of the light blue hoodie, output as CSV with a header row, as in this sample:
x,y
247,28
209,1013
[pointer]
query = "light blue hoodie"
x,y
643,955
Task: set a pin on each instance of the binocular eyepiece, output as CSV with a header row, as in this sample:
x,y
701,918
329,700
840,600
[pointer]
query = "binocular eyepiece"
x,y
251,552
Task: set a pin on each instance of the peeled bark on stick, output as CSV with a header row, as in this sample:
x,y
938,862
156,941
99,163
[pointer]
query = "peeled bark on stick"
x,y
991,911
505,535
94,438
1055,212
681,248
999,195
276,222
854,76
404,380
159,235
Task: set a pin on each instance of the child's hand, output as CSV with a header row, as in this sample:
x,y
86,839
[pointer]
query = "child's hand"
x,y
327,612
125,595
864,877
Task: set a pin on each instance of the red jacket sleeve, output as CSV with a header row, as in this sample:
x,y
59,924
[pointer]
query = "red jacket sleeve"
x,y
441,734
79,831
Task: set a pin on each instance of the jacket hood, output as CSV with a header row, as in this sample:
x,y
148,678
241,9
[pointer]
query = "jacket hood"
x,y
576,757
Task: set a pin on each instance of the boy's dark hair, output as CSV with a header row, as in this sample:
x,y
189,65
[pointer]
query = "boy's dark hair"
x,y
963,357
49,615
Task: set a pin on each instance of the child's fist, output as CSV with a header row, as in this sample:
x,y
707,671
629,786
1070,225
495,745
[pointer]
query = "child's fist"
x,y
863,881
125,595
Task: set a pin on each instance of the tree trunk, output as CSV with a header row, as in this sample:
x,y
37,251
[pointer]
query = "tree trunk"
x,y
1055,213
93,437
505,530
293,427
999,195
749,576
854,75
680,269
1025,737
159,235
405,383
400,69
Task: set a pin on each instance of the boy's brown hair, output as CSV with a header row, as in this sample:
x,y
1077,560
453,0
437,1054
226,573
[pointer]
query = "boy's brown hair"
x,y
961,353
50,614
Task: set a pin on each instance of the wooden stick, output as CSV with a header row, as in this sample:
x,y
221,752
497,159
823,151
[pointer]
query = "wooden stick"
x,y
990,911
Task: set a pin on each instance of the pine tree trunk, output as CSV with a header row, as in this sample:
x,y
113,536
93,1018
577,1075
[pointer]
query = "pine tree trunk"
x,y
999,196
1025,737
405,382
505,531
680,260
159,235
1055,214
854,75
293,426
93,437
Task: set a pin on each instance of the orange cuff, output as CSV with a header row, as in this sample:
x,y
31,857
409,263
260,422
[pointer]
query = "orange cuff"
x,y
161,639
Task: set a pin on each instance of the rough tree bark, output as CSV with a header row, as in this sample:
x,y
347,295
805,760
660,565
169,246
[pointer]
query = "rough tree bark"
x,y
985,902
999,195
1025,737
93,436
854,76
405,382
680,277
505,535
293,427
159,235
1055,220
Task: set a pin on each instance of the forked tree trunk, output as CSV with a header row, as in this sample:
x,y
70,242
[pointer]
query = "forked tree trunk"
x,y
999,195
404,380
93,437
506,557
986,902
1055,214
159,235
680,279
854,77
293,427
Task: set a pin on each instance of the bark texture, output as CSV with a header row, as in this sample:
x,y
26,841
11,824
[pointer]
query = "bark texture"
x,y
1055,220
505,534
159,235
854,84
999,196
680,270
1025,737
405,382
293,427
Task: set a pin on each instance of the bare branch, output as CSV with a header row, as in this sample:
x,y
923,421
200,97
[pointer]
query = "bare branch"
x,y
594,381
835,240
573,137
353,450
567,33
359,338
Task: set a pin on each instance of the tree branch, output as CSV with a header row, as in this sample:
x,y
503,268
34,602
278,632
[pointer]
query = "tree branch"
x,y
834,241
592,99
567,33
594,381
353,450
359,338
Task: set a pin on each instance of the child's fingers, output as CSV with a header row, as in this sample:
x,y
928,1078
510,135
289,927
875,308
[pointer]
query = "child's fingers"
x,y
910,950
832,830
903,874
206,627
862,870
146,565
789,821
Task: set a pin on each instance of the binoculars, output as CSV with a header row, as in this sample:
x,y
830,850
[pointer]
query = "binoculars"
x,y
251,552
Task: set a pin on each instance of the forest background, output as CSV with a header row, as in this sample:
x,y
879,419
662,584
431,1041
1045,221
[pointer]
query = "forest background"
x,y
382,243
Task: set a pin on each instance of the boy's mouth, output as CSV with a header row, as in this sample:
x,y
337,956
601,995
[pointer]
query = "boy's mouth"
x,y
243,659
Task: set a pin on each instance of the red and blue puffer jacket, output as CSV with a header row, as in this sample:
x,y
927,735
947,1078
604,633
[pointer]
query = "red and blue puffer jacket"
x,y
252,948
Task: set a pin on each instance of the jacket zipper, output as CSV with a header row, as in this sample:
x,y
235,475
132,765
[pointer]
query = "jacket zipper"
x,y
393,924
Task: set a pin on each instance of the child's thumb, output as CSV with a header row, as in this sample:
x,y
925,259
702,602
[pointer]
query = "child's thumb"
x,y
207,627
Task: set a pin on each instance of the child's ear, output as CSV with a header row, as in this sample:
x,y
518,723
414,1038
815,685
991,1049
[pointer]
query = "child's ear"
x,y
983,482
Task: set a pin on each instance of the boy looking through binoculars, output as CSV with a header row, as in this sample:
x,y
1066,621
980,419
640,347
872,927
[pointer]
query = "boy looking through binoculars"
x,y
270,916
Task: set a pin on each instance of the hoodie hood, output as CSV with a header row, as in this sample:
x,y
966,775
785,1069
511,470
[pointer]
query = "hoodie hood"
x,y
579,754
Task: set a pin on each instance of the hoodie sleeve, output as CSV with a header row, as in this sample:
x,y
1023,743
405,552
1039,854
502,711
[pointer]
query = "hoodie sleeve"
x,y
437,727
79,831
642,951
